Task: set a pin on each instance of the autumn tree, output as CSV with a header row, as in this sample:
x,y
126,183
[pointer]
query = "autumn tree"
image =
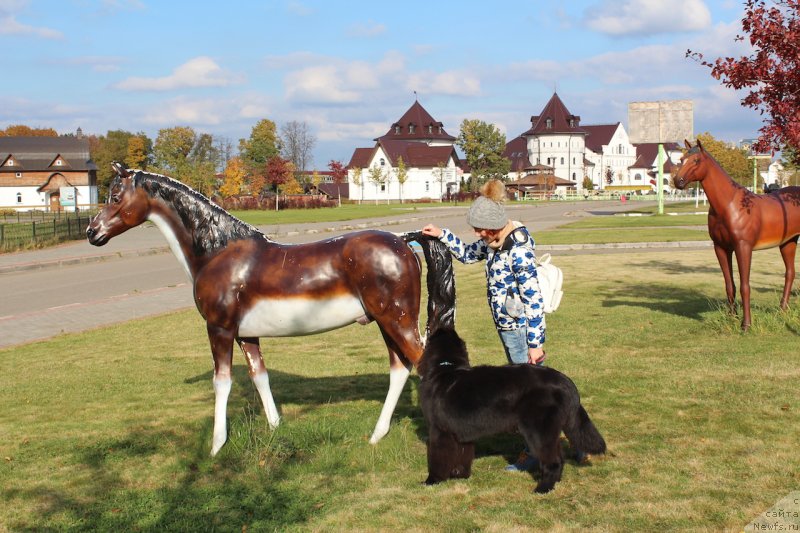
x,y
483,145
234,178
732,160
278,171
339,175
185,156
256,151
133,150
771,73
358,181
20,130
401,175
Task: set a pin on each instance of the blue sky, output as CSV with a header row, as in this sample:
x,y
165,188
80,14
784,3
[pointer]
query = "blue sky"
x,y
349,69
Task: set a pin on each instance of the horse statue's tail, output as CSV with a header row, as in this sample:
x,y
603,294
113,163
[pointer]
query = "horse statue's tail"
x,y
441,281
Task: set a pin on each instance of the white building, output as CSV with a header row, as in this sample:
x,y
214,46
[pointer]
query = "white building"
x,y
46,173
421,145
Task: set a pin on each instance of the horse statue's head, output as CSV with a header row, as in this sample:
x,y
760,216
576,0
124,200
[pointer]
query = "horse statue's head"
x,y
127,207
691,166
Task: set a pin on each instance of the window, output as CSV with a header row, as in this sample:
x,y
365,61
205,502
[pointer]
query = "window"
x,y
383,162
59,162
427,186
10,162
383,187
549,124
430,128
440,129
18,174
638,177
397,129
411,128
562,160
19,197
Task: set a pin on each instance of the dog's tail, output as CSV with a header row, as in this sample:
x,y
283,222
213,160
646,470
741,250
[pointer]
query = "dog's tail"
x,y
441,281
582,433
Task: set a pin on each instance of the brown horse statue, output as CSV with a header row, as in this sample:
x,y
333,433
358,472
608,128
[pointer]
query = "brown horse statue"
x,y
247,286
740,221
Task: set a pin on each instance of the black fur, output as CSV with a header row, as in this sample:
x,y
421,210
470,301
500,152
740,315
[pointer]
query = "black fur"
x,y
463,403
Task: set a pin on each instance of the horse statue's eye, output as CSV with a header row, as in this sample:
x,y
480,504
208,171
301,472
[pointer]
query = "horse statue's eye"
x,y
115,199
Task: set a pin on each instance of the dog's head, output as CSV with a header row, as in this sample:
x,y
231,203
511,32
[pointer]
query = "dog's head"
x,y
443,348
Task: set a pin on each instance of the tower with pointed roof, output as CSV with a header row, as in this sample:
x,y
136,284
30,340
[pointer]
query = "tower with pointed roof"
x,y
417,145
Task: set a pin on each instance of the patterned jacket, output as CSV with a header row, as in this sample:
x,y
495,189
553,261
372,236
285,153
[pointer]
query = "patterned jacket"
x,y
512,285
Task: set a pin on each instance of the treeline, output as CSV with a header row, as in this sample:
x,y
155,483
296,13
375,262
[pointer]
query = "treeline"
x,y
268,160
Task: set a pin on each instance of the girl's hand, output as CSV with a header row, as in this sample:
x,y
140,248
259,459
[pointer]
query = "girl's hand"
x,y
432,231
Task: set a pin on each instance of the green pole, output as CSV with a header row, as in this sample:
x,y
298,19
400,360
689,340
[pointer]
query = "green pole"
x,y
755,175
660,185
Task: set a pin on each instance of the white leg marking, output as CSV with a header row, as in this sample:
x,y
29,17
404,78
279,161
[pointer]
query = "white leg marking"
x,y
222,389
261,381
397,380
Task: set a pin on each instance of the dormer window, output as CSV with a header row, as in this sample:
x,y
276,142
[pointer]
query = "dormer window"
x,y
10,162
397,129
411,128
383,162
572,123
440,130
430,128
59,162
549,124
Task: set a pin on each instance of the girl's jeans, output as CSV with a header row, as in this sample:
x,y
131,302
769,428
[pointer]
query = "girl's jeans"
x,y
515,343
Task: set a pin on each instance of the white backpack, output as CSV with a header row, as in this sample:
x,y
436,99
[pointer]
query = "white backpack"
x,y
550,281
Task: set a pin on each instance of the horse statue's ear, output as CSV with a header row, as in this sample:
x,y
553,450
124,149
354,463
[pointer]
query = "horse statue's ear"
x,y
687,143
121,171
700,145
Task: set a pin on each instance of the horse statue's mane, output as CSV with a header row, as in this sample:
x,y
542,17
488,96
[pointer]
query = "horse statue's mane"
x,y
211,226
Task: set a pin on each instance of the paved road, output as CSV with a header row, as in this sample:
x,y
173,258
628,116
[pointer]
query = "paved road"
x,y
75,287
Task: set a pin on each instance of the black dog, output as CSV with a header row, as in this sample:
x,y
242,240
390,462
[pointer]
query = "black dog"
x,y
463,403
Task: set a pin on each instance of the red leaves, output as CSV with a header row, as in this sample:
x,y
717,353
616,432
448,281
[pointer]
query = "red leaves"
x,y
771,73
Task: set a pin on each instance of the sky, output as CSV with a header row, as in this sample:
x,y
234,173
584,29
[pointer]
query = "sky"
x,y
350,69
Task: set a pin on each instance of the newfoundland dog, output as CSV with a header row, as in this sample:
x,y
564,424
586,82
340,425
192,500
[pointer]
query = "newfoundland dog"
x,y
463,403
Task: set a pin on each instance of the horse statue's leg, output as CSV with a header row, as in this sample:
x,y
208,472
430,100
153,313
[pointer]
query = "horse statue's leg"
x,y
788,250
222,350
258,373
744,255
398,375
725,258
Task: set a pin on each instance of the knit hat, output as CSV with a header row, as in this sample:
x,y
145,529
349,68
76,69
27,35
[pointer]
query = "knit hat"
x,y
487,211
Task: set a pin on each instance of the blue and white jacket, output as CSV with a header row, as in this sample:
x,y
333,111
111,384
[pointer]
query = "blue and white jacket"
x,y
512,283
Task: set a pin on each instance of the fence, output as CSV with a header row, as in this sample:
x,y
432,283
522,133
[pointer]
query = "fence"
x,y
20,234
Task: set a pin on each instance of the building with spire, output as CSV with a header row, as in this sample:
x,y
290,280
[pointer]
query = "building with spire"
x,y
417,145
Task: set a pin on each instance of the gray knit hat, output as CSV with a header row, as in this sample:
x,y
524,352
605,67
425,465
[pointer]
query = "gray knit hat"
x,y
485,213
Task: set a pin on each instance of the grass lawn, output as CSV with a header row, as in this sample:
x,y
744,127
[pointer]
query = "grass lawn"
x,y
110,430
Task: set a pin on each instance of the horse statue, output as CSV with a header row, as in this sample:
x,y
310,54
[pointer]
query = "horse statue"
x,y
740,221
247,286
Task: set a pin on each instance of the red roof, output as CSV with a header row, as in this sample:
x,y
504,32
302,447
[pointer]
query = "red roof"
x,y
417,124
599,135
555,118
414,154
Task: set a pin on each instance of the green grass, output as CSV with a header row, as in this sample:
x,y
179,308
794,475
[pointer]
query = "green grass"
x,y
110,430
335,214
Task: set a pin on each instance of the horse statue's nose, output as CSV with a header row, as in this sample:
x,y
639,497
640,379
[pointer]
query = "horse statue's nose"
x,y
90,232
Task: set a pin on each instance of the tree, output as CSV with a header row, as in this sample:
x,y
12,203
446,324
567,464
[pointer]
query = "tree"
x,y
732,160
261,146
401,175
358,181
771,73
20,130
187,157
234,173
339,174
376,177
140,147
119,146
439,174
278,172
297,143
483,145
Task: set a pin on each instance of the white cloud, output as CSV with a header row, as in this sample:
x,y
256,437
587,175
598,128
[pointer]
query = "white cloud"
x,y
299,9
183,111
9,25
643,17
198,72
97,63
368,30
450,83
